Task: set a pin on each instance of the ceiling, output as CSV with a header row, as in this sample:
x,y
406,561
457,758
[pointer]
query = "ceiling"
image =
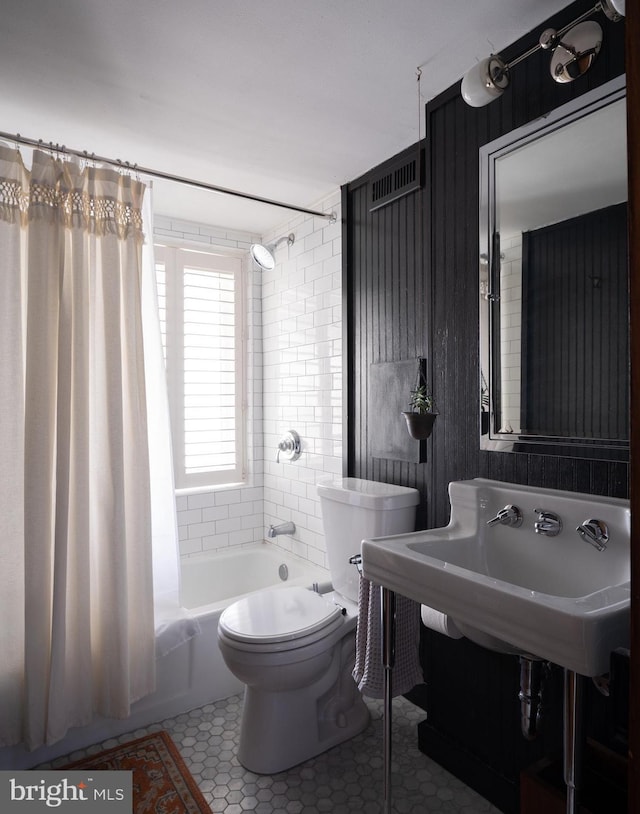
x,y
284,99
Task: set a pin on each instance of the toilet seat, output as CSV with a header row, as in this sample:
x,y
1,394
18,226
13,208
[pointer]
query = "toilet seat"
x,y
282,618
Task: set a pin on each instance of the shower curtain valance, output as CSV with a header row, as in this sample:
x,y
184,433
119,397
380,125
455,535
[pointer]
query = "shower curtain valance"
x,y
104,202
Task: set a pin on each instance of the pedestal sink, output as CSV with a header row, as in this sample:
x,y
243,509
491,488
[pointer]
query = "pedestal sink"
x,y
541,573
512,588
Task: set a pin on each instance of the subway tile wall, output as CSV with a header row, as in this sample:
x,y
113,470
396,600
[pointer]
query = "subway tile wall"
x,y
302,373
511,331
294,357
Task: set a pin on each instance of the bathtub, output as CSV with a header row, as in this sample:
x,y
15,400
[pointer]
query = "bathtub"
x,y
210,582
193,674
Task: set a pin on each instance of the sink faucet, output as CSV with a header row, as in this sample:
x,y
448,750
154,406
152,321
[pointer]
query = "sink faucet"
x,y
594,532
547,523
509,516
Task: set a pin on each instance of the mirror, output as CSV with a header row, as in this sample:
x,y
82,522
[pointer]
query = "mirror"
x,y
554,349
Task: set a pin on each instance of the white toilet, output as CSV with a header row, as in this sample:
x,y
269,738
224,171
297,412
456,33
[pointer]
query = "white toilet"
x,y
295,649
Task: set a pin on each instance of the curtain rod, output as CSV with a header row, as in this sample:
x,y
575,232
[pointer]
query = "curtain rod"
x,y
125,165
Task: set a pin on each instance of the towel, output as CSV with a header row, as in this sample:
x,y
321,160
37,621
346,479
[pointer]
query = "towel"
x,y
369,669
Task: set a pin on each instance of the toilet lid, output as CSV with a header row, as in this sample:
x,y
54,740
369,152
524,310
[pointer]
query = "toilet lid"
x,y
278,615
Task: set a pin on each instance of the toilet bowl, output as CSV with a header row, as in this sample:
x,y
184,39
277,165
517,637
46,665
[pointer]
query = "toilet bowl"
x,y
294,649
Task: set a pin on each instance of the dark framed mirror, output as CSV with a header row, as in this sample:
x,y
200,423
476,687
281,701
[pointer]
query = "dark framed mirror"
x,y
554,326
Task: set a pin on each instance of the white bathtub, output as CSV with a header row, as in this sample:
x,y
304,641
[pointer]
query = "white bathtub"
x,y
194,674
211,582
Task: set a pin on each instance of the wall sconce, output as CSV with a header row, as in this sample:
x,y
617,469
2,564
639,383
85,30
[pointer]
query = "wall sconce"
x,y
263,255
574,47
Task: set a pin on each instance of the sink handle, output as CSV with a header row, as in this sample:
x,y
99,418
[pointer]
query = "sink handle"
x,y
548,523
594,532
509,516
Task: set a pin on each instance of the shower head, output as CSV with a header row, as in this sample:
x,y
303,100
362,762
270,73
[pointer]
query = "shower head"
x,y
263,255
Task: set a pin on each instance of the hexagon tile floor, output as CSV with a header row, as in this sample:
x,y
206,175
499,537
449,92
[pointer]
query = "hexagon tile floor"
x,y
345,779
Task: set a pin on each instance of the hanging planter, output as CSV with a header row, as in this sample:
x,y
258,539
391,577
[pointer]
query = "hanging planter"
x,y
419,424
422,415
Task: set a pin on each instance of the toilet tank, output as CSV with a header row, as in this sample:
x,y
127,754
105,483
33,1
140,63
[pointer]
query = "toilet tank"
x,y
353,510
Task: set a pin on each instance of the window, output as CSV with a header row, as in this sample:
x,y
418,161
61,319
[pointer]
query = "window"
x,y
201,317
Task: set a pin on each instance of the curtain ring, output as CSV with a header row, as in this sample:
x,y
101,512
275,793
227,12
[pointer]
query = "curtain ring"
x,y
89,159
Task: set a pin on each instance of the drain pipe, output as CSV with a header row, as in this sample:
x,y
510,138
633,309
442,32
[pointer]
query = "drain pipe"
x,y
530,695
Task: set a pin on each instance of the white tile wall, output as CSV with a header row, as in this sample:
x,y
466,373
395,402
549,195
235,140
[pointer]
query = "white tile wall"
x,y
511,330
295,382
302,373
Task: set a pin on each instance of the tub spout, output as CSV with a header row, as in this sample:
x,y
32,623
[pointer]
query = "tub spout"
x,y
283,528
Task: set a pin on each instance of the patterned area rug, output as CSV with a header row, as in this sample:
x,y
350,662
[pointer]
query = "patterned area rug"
x,y
162,784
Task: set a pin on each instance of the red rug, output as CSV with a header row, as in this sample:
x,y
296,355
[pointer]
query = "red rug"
x,y
162,784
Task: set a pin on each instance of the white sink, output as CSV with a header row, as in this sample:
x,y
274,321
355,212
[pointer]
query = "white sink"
x,y
511,589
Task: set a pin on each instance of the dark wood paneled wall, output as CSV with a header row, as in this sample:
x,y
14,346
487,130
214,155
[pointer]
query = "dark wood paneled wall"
x,y
387,304
575,349
411,283
455,132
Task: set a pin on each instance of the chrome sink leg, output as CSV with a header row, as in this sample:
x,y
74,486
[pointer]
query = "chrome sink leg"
x,y
573,737
388,606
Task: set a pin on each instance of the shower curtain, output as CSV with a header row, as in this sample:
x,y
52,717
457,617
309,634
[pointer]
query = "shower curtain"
x,y
76,573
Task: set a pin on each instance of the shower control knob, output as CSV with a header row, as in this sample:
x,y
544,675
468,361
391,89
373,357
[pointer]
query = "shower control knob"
x,y
289,447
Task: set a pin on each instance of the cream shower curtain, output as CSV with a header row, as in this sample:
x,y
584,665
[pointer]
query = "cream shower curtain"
x,y
76,582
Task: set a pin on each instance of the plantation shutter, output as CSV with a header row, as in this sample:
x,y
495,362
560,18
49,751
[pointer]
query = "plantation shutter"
x,y
200,294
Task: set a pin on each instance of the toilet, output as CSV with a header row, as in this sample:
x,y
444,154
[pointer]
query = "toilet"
x,y
294,649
